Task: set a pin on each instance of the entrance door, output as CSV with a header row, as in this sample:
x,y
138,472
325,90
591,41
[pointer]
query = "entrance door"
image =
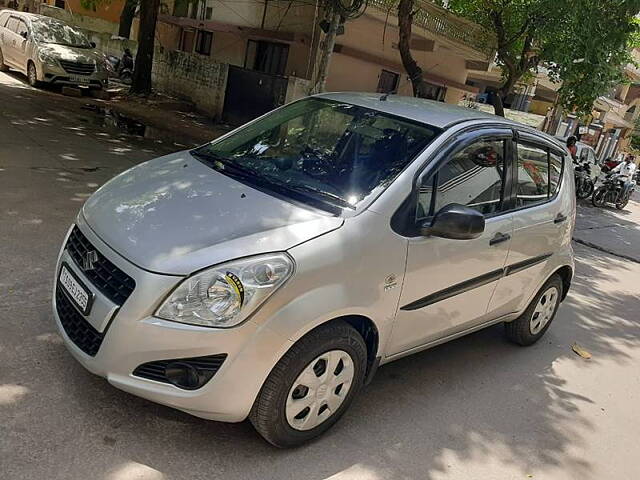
x,y
448,283
250,94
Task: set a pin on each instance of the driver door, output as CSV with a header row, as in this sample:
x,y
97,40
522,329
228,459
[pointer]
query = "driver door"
x,y
449,283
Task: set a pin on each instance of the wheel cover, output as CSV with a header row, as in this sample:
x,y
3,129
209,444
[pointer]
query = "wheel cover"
x,y
32,74
543,313
319,390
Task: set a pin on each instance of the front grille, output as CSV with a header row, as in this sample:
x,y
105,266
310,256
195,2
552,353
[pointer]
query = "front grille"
x,y
81,332
77,68
206,366
105,276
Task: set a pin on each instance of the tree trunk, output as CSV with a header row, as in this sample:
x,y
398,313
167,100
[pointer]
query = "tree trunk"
x,y
498,106
405,22
326,49
126,18
144,59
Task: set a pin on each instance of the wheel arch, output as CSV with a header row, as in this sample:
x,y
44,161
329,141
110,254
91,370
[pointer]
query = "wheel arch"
x,y
566,274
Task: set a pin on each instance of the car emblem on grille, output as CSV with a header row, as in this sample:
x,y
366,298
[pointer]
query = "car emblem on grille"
x,y
89,259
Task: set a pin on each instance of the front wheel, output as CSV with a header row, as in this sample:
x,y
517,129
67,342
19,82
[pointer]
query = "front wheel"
x,y
32,75
311,386
3,66
599,197
534,322
620,205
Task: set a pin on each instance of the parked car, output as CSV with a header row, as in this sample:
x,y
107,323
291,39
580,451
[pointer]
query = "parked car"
x,y
49,51
269,273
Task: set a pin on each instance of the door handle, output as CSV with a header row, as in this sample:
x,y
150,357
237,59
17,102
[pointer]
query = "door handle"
x,y
499,238
560,218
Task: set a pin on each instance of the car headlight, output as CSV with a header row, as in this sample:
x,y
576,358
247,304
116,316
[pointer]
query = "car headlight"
x,y
47,58
225,295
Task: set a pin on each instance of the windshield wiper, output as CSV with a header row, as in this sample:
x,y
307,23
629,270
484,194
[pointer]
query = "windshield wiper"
x,y
332,196
268,181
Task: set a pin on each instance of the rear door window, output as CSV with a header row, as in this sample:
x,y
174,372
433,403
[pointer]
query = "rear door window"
x,y
539,174
533,175
12,24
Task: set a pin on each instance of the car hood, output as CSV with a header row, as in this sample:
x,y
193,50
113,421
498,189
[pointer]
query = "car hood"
x,y
175,215
71,54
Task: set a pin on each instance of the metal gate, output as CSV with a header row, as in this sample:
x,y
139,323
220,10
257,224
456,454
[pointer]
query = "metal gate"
x,y
250,93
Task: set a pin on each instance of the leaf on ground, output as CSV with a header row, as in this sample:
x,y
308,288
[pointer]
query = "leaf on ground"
x,y
580,351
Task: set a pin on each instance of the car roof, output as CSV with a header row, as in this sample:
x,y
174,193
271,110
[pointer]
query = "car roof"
x,y
438,114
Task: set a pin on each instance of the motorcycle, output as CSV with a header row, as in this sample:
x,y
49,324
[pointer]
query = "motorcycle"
x,y
584,183
613,191
117,69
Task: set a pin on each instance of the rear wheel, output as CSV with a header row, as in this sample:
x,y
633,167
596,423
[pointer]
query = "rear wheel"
x,y
534,322
585,189
32,75
599,197
311,386
3,66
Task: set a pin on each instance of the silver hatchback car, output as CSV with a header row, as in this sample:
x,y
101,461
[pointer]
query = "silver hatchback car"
x,y
269,273
49,51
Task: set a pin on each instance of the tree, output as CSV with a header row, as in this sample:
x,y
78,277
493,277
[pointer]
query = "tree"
x,y
126,18
141,83
406,13
583,43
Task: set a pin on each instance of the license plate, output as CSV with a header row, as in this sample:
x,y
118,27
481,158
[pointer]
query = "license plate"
x,y
75,289
80,79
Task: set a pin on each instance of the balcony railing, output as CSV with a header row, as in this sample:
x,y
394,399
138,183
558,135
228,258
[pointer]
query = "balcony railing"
x,y
443,23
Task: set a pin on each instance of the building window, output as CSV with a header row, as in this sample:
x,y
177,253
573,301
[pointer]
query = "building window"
x,y
267,57
388,82
203,43
60,3
187,40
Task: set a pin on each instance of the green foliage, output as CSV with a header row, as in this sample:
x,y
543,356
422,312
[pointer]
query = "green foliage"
x,y
583,43
92,4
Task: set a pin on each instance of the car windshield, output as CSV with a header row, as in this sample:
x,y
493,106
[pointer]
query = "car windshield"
x,y
333,152
59,33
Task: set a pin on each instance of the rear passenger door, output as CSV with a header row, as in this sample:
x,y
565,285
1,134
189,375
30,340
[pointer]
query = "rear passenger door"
x,y
539,221
10,41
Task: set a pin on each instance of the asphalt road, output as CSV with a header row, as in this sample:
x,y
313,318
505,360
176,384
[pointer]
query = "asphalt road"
x,y
476,408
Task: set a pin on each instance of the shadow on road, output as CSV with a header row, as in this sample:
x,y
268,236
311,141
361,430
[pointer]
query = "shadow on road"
x,y
464,400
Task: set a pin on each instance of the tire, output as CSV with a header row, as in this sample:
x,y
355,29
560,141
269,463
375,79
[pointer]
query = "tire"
x,y
32,75
586,189
3,66
622,204
284,386
599,197
528,329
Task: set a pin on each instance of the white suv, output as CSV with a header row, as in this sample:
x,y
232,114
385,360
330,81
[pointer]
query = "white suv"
x,y
47,50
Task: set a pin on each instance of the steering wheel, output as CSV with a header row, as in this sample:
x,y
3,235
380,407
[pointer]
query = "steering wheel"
x,y
316,165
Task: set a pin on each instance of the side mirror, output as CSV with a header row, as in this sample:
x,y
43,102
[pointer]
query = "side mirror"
x,y
24,35
93,44
456,222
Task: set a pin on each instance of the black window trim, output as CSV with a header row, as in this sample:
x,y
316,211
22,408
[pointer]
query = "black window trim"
x,y
535,141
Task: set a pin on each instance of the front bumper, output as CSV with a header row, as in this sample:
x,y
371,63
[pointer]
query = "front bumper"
x,y
133,336
56,75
